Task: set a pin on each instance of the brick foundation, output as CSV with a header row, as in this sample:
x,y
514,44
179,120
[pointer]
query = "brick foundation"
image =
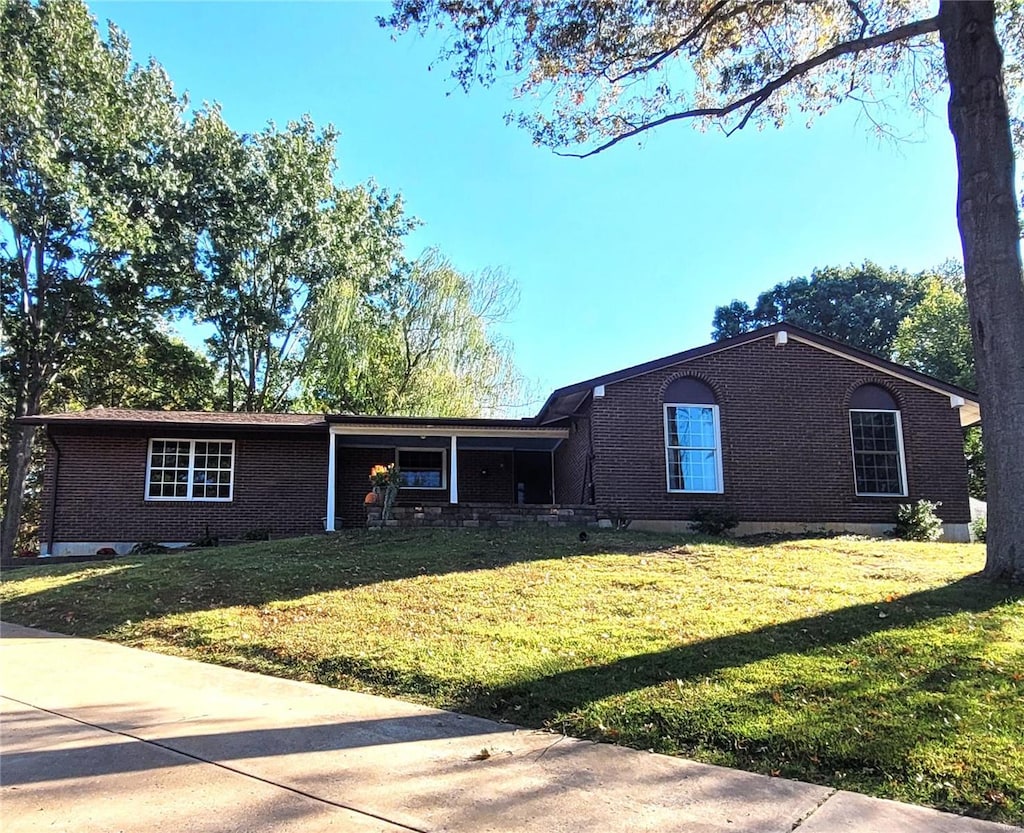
x,y
485,515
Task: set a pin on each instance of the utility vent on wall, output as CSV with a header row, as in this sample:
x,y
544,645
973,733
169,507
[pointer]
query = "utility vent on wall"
x,y
781,337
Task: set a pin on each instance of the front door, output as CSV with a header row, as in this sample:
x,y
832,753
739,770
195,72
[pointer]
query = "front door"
x,y
533,477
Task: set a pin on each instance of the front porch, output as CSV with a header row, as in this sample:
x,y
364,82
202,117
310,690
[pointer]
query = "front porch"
x,y
484,515
464,472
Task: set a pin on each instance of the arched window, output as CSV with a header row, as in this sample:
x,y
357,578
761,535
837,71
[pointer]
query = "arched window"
x,y
876,432
693,442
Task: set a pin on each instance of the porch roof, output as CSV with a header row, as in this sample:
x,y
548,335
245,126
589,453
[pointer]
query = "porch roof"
x,y
405,429
518,442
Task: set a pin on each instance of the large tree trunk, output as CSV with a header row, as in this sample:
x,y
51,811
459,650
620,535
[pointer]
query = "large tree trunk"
x,y
990,233
19,457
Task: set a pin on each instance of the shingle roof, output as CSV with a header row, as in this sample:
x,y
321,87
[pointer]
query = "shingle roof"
x,y
127,416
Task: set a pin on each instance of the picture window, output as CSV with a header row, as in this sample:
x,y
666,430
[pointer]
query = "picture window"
x,y
191,470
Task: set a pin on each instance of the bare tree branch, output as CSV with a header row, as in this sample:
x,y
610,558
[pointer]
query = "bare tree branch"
x,y
689,37
755,99
857,10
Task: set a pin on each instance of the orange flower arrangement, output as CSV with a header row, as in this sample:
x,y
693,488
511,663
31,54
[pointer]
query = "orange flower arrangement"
x,y
381,475
386,481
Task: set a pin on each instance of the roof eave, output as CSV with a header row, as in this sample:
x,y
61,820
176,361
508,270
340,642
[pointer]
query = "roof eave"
x,y
50,420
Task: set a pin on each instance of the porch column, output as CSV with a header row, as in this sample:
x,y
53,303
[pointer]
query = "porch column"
x,y
453,476
554,497
332,461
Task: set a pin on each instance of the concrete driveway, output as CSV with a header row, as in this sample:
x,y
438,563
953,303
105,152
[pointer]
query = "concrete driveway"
x,y
99,737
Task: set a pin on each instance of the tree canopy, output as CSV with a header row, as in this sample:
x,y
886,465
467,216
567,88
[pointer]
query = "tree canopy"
x,y
149,369
421,343
88,183
860,306
271,230
593,73
935,335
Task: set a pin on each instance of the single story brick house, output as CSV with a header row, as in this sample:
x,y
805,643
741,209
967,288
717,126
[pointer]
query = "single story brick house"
x,y
785,429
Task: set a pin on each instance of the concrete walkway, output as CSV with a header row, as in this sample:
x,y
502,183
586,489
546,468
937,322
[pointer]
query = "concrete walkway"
x,y
98,737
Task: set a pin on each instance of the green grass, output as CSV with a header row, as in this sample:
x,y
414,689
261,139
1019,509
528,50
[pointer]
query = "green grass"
x,y
882,667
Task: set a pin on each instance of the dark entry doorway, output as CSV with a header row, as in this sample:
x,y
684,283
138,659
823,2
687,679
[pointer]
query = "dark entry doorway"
x,y
533,477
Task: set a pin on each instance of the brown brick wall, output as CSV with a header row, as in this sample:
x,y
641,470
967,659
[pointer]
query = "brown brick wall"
x,y
280,484
486,476
571,484
785,440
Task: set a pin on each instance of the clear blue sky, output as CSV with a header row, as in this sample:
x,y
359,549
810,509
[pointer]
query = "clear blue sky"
x,y
620,258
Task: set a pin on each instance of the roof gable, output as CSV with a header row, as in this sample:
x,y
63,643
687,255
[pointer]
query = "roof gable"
x,y
566,400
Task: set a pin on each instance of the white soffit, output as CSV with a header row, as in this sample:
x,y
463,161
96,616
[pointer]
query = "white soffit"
x,y
446,431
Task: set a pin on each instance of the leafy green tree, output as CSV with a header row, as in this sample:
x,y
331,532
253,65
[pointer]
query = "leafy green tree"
x,y
88,221
974,451
935,337
272,229
603,72
420,343
860,306
149,369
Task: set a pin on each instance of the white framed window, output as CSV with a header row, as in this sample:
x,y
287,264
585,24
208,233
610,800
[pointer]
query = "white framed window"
x,y
879,467
190,470
422,468
693,448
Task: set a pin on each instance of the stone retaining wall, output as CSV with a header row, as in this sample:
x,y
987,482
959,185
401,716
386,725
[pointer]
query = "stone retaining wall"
x,y
485,515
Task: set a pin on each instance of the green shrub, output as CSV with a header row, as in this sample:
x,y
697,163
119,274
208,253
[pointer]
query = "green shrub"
x,y
206,539
713,522
979,526
148,548
918,521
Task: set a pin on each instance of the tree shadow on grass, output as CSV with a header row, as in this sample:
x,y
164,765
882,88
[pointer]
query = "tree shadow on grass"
x,y
541,699
853,697
104,595
857,698
570,698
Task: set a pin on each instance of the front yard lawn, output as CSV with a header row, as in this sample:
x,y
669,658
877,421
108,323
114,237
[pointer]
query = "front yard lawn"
x,y
877,666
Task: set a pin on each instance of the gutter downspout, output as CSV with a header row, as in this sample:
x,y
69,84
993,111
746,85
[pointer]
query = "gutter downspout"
x,y
587,486
591,456
56,484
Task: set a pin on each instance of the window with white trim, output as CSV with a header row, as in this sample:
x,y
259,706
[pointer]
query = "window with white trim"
x,y
693,446
190,470
877,438
421,468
